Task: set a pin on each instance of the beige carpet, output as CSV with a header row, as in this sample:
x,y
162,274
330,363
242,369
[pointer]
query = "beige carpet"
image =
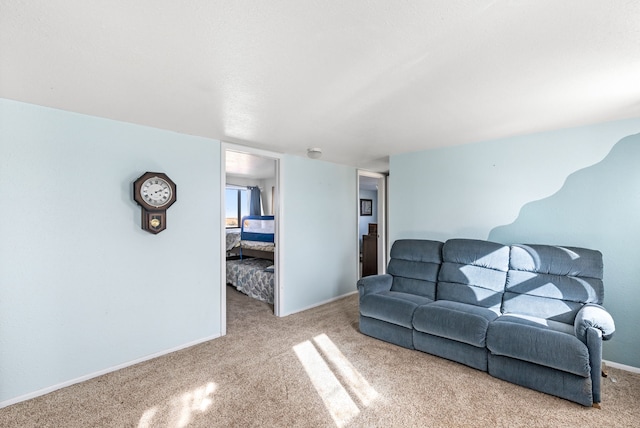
x,y
312,369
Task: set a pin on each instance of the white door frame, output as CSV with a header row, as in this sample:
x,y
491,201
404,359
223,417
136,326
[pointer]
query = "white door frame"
x,y
278,289
382,216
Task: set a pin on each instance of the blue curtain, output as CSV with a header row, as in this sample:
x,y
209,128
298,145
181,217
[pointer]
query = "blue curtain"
x,y
254,203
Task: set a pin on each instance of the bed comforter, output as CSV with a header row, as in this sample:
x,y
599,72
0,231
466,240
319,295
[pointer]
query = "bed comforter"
x,y
249,277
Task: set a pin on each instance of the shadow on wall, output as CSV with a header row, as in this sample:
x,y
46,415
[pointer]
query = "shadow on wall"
x,y
598,207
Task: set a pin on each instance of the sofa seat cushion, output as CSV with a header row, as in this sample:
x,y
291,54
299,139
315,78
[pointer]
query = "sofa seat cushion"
x,y
539,341
392,306
454,320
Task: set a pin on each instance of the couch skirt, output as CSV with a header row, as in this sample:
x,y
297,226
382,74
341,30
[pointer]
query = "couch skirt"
x,y
453,350
544,379
388,332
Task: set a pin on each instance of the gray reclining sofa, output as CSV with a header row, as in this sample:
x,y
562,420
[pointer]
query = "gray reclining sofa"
x,y
527,314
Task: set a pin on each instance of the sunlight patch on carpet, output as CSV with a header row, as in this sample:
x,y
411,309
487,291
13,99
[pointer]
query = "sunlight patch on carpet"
x,y
356,383
147,417
182,408
334,394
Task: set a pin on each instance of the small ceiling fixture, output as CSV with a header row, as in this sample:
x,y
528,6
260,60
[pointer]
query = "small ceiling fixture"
x,y
314,153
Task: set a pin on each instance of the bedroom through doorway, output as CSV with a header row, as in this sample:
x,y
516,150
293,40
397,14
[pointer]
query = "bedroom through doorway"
x,y
250,225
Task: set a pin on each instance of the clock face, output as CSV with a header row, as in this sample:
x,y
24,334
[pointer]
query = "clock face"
x,y
156,192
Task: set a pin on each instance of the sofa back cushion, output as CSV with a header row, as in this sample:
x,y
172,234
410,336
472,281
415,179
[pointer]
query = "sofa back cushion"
x,y
414,265
552,282
473,272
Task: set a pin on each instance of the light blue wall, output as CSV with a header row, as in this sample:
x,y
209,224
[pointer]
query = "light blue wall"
x,y
578,187
319,232
365,220
82,287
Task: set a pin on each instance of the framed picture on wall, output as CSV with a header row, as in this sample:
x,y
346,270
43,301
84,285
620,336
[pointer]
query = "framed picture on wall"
x,y
366,207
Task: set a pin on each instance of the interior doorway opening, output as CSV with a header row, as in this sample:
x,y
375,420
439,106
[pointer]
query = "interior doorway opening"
x,y
372,223
250,213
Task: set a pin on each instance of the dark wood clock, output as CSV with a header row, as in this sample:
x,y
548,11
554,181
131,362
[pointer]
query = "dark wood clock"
x,y
154,192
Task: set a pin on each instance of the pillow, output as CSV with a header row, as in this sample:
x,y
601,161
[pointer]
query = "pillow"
x,y
269,268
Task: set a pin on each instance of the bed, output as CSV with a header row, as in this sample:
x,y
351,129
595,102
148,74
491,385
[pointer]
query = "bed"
x,y
253,277
256,238
233,239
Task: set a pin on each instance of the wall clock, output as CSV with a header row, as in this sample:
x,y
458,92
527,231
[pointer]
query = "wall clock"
x,y
154,192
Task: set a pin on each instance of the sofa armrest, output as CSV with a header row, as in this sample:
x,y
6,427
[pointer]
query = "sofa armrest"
x,y
592,315
374,284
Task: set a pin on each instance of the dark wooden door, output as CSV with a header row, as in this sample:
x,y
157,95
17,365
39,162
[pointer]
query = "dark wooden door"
x,y
369,255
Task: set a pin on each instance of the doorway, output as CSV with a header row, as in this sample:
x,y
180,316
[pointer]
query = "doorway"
x,y
372,223
246,172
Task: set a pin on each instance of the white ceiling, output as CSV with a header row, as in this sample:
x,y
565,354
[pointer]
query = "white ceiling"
x,y
368,183
249,166
362,79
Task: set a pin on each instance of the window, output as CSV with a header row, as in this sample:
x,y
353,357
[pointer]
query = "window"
x,y
236,205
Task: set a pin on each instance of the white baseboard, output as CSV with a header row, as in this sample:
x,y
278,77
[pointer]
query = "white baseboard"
x,y
315,305
622,366
86,377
